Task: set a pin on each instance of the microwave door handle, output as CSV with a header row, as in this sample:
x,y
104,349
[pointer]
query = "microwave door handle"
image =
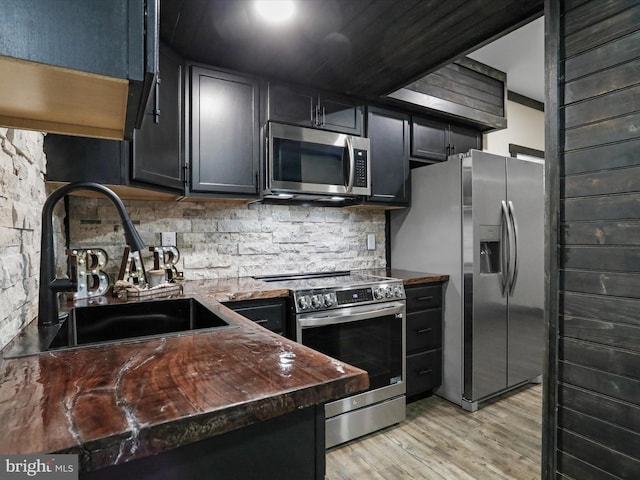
x,y
352,164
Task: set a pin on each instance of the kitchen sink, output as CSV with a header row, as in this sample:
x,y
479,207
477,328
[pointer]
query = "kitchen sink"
x,y
130,321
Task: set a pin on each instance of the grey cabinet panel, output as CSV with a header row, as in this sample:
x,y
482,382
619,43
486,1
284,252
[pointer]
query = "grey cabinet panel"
x,y
461,140
429,140
434,141
157,146
388,133
224,133
310,108
291,105
339,114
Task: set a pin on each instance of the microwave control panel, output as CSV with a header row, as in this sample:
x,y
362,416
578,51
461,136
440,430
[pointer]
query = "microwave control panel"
x,y
360,178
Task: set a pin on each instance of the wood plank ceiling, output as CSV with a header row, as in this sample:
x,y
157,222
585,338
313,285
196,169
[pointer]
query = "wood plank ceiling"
x,y
366,48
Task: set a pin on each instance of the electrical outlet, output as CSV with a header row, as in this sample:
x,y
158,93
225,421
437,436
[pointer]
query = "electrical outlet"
x,y
168,239
371,241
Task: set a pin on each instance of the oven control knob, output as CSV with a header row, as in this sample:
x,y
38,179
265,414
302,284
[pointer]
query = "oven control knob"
x,y
378,293
397,291
388,292
303,303
317,301
329,299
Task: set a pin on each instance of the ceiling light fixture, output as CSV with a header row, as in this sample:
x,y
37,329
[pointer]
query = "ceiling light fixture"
x,y
276,11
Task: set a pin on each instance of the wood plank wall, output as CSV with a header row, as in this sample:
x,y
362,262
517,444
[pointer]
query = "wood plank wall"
x,y
597,388
465,88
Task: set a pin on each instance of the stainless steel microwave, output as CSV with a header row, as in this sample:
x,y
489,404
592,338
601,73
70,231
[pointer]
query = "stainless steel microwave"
x,y
304,161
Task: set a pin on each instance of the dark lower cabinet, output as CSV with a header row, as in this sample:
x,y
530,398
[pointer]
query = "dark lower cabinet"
x,y
424,373
424,339
289,447
224,133
270,313
388,133
433,141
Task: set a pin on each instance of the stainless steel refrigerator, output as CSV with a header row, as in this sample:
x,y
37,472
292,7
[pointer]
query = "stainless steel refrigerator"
x,y
478,217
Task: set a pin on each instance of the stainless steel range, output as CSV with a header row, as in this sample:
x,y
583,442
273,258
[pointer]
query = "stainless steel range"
x,y
358,319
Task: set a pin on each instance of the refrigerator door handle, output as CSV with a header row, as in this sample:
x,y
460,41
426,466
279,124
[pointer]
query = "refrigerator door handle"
x,y
513,271
505,248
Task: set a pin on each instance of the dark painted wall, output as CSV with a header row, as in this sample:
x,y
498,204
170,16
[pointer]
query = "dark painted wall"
x,y
594,352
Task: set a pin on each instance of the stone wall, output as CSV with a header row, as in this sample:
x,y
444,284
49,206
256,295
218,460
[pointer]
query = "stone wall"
x,y
22,193
218,240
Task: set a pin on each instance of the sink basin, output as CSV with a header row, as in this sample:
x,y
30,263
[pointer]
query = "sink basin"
x,y
127,321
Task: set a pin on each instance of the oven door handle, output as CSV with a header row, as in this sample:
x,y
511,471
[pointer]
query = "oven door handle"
x,y
351,315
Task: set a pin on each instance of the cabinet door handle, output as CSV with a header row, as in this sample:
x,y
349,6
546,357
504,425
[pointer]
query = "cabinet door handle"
x,y
261,321
424,372
156,101
425,299
424,330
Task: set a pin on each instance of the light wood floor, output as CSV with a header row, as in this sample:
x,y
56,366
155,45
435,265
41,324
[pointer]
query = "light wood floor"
x,y
439,440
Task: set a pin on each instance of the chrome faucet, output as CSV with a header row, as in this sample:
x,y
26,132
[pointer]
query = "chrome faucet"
x,y
49,284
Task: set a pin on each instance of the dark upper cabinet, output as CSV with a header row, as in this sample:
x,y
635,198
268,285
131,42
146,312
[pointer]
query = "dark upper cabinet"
x,y
388,133
157,145
292,105
224,133
429,139
154,157
463,139
80,159
433,141
310,108
104,59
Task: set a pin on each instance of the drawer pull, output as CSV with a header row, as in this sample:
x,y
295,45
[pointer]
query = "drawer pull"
x,y
424,330
425,299
424,372
261,321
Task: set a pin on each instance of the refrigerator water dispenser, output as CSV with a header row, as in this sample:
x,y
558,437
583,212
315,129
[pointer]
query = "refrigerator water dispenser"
x,y
490,249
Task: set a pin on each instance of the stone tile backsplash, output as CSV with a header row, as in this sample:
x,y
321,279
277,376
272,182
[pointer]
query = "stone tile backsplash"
x,y
218,240
215,239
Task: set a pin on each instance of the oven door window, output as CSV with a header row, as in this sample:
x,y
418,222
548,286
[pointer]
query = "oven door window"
x,y
305,162
374,345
